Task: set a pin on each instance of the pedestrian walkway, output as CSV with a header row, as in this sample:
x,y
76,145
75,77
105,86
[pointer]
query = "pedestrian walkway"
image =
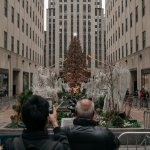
x,y
138,115
5,112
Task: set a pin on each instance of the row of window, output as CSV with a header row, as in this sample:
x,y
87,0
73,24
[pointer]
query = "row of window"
x,y
25,53
37,4
72,0
124,3
85,7
23,5
110,42
32,15
114,19
117,55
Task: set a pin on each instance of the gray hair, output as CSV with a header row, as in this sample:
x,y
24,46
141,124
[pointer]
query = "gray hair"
x,y
85,112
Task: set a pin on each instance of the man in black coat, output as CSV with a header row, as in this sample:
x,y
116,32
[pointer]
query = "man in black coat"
x,y
35,115
86,134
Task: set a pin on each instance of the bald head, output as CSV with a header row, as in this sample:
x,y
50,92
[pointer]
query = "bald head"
x,y
85,108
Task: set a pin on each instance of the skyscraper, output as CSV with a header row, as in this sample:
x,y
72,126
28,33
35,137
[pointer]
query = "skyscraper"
x,y
21,43
128,38
83,17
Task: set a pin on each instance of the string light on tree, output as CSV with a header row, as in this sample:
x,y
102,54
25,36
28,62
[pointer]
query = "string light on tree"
x,y
75,70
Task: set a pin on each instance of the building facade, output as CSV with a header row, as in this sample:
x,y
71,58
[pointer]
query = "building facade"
x,y
128,38
21,43
83,17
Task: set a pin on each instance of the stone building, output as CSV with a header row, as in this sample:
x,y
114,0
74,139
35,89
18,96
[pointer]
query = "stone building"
x,y
128,38
21,43
83,17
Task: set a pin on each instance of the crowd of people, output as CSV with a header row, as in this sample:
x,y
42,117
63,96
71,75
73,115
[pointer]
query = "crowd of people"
x,y
85,134
139,97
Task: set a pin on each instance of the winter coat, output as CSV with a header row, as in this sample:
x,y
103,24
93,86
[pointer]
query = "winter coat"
x,y
40,140
87,135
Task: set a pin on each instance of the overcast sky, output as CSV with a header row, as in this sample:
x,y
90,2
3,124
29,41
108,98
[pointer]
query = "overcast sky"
x,y
46,6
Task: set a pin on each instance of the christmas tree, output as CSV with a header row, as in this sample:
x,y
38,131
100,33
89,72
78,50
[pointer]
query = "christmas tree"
x,y
75,70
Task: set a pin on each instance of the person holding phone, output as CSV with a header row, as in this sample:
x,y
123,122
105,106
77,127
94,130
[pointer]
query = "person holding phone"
x,y
36,116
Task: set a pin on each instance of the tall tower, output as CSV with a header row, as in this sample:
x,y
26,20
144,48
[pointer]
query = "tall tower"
x,y
65,17
21,43
128,38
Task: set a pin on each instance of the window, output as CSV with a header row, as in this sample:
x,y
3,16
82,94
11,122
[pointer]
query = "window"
x,y
12,43
30,11
122,28
126,3
27,6
18,45
26,29
136,14
23,3
60,8
126,24
5,39
22,25
33,16
5,7
12,14
30,53
122,5
71,7
144,39
130,19
30,32
131,46
118,11
22,49
126,49
119,32
18,20
33,36
122,51
65,8
77,7
26,51
143,7
116,15
84,8
137,43
89,8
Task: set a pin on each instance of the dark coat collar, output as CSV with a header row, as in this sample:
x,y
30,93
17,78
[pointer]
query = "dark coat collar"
x,y
84,122
34,135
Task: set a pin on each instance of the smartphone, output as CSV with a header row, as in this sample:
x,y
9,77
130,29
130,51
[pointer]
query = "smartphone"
x,y
50,105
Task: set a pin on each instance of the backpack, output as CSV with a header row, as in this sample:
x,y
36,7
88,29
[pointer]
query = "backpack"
x,y
19,144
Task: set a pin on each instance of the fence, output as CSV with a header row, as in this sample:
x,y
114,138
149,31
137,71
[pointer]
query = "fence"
x,y
147,119
134,141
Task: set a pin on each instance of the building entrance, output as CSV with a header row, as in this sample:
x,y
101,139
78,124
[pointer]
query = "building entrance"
x,y
15,82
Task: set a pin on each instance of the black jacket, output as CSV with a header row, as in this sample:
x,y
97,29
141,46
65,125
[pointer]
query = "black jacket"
x,y
87,135
40,140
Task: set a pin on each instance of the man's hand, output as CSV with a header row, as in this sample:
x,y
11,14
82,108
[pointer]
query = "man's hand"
x,y
53,118
1,147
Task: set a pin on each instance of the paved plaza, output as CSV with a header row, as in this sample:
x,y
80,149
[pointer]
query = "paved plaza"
x,y
6,111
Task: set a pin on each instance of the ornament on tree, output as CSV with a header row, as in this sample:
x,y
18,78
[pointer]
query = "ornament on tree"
x,y
75,70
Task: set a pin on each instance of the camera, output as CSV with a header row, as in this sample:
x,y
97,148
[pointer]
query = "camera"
x,y
50,105
72,104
